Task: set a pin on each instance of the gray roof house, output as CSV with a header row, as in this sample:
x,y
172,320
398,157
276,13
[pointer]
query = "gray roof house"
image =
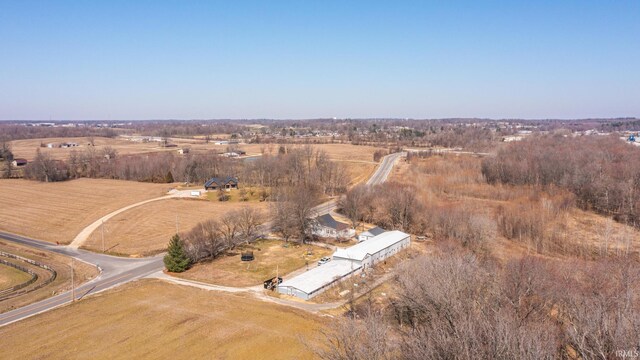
x,y
221,183
370,233
327,226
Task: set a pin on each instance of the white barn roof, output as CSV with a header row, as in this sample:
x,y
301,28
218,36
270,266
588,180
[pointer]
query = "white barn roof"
x,y
375,244
321,276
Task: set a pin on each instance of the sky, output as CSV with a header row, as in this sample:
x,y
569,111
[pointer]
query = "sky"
x,y
128,60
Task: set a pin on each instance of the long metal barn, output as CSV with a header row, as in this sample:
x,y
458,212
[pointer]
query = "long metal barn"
x,y
345,262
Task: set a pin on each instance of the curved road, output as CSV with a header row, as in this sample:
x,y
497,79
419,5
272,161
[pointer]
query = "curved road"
x,y
116,271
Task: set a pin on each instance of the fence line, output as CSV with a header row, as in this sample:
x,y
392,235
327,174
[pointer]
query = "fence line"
x,y
20,288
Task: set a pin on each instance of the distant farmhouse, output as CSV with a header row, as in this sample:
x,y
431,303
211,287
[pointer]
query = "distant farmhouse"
x,y
327,226
370,233
221,183
19,162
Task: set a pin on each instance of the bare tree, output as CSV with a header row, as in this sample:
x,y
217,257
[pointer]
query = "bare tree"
x,y
230,229
283,217
352,203
249,221
205,241
351,339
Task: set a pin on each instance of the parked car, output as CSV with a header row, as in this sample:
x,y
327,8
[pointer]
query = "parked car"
x,y
324,260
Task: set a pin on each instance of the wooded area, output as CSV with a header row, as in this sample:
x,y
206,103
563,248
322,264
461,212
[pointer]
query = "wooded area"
x,y
602,171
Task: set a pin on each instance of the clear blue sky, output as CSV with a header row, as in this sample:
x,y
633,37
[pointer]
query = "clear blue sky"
x,y
302,59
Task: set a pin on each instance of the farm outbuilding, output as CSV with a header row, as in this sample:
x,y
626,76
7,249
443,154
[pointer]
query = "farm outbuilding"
x,y
19,162
370,233
375,249
345,263
315,281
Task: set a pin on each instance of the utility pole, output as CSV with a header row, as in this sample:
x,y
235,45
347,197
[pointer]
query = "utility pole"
x,y
177,226
73,287
102,227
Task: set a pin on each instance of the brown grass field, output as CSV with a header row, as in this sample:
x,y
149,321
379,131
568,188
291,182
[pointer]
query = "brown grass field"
x,y
61,264
151,319
270,257
448,184
58,211
27,148
146,229
357,160
10,276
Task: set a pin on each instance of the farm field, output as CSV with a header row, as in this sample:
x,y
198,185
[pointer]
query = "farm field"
x,y
27,148
339,152
155,319
10,276
62,266
358,160
146,229
271,257
58,211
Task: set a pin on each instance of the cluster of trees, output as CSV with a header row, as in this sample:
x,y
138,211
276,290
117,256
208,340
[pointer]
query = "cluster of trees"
x,y
603,172
532,220
390,205
6,158
45,168
397,206
12,131
154,167
211,238
293,212
303,166
454,305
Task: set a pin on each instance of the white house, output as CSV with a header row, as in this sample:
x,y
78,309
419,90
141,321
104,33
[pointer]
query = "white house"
x,y
327,226
370,233
376,249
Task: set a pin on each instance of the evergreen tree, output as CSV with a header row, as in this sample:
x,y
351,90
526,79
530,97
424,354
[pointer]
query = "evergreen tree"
x,y
169,177
176,259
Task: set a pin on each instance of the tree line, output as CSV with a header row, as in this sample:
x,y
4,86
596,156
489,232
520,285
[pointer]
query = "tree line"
x,y
602,171
455,305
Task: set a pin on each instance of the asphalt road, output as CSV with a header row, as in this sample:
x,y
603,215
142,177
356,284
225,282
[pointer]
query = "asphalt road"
x,y
117,271
383,171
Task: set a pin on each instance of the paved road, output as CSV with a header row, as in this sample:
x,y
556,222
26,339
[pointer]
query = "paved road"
x,y
383,171
116,270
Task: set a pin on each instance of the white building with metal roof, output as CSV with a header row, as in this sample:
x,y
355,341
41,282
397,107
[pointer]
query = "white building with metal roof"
x,y
345,262
316,280
375,249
